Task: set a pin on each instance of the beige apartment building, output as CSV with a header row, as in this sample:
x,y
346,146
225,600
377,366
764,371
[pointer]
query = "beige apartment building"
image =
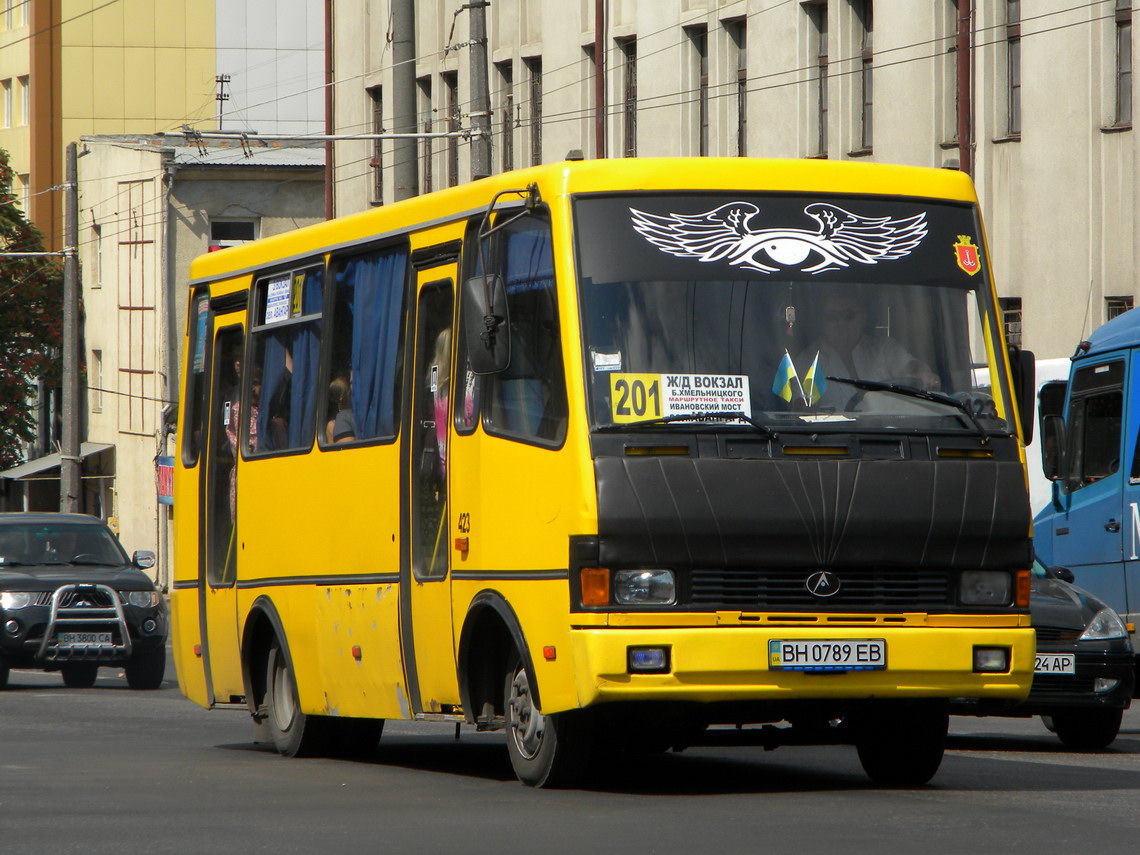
x,y
1046,100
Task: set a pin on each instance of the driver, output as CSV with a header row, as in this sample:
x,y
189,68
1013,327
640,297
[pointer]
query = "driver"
x,y
846,349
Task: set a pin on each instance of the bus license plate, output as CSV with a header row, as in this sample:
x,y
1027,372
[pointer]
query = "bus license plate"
x,y
1055,663
84,639
856,654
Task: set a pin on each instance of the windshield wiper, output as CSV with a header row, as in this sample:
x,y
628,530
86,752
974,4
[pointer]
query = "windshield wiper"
x,y
695,419
921,394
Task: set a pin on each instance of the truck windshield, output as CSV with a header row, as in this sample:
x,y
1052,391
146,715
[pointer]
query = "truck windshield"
x,y
764,305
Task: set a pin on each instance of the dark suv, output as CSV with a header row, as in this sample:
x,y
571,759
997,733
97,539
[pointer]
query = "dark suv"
x,y
71,600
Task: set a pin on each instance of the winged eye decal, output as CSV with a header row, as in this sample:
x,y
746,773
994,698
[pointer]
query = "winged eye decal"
x,y
727,234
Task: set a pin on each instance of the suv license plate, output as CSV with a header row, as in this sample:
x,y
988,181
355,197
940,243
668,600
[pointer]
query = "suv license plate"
x,y
84,639
1055,663
856,654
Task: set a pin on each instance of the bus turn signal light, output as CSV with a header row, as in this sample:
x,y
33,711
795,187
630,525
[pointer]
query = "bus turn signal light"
x,y
595,586
1021,586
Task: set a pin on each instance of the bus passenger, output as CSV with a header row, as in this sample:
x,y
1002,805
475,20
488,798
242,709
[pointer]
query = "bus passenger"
x,y
341,426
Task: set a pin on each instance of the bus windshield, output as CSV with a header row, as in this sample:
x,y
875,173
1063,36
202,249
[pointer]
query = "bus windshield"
x,y
833,313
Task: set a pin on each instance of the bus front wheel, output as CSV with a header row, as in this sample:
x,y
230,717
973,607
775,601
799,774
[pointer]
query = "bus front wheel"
x,y
901,744
294,733
545,750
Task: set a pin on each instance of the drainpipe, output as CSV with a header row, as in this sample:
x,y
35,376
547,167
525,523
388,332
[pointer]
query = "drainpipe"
x,y
405,169
600,78
330,153
965,89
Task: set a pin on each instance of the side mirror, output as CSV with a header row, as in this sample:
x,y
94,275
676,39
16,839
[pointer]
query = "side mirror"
x,y
486,324
1024,368
1053,448
1064,574
143,559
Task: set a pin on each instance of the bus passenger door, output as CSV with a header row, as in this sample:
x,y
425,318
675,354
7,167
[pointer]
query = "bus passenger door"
x,y
217,571
426,623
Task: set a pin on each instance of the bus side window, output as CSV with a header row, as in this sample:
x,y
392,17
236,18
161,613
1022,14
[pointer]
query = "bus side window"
x,y
367,321
285,358
528,399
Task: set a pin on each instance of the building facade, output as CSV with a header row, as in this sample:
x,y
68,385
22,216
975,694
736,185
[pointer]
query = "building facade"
x,y
1045,101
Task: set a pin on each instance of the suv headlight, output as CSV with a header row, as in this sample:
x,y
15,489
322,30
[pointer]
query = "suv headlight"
x,y
11,600
984,588
645,587
143,599
1105,624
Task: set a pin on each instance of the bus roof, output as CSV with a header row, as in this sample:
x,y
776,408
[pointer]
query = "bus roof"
x,y
606,175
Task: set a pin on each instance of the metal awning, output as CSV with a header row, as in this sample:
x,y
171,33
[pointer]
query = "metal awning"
x,y
41,467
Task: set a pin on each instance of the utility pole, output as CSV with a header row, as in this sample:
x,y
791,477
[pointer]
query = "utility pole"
x,y
405,170
480,97
70,462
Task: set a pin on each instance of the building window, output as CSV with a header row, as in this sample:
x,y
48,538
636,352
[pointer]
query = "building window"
x,y
7,86
424,86
1011,319
1123,62
231,232
738,36
25,99
865,13
97,242
376,100
507,113
628,49
451,88
817,13
25,191
1116,306
1013,65
95,386
699,68
10,14
534,74
589,77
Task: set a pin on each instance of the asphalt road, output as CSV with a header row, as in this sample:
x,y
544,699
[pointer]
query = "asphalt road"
x,y
108,770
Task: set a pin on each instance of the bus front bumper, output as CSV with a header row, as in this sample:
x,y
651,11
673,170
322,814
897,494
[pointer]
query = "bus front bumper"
x,y
711,664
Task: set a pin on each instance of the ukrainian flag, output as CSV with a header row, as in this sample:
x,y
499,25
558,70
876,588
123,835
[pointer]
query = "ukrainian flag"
x,y
815,384
785,376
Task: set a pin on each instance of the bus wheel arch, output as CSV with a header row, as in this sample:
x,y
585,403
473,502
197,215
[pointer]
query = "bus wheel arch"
x,y
262,626
489,642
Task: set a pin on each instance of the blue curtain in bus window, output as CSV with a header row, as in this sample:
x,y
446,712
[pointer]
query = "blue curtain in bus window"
x,y
529,280
306,359
274,391
377,281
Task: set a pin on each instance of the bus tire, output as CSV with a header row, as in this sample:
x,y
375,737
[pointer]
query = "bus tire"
x,y
79,675
901,744
1087,730
545,750
294,733
146,670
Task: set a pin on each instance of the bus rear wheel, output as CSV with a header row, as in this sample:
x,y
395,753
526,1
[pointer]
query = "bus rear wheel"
x,y
545,750
901,744
294,733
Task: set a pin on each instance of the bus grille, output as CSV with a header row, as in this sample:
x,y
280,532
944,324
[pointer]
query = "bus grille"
x,y
864,588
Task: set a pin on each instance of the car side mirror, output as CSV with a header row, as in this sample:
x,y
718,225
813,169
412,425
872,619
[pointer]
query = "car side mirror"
x,y
1064,574
486,324
143,559
1024,368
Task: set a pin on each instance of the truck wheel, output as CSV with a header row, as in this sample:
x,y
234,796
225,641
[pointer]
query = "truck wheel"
x,y
1087,730
146,670
901,744
545,750
79,675
294,733
4,669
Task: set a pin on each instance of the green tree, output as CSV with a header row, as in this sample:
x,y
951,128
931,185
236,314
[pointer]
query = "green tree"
x,y
31,322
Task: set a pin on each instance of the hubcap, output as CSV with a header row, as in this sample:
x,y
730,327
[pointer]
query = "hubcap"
x,y
282,706
527,725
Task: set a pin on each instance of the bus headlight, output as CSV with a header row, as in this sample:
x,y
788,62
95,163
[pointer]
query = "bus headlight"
x,y
984,588
645,587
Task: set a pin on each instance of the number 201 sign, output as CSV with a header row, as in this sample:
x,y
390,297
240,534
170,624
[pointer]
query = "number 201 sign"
x,y
636,397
